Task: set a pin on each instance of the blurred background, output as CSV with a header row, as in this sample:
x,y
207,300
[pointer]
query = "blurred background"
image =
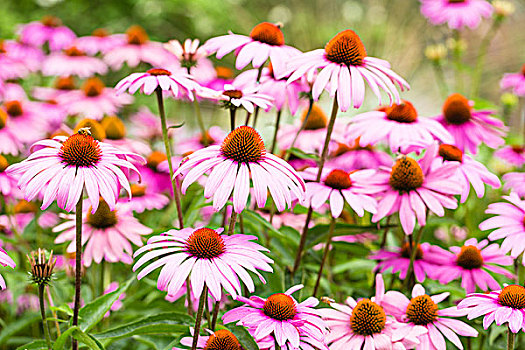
x,y
391,29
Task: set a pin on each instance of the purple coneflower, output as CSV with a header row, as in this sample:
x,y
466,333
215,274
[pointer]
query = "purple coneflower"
x,y
72,61
99,41
514,81
49,30
5,260
457,13
514,154
515,182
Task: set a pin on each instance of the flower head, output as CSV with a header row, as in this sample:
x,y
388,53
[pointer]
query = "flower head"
x,y
266,40
177,84
289,322
41,268
241,157
99,41
470,263
49,30
60,168
515,182
106,233
5,260
514,82
234,96
469,127
73,61
457,13
512,154
411,187
205,255
502,306
399,126
422,310
221,339
345,66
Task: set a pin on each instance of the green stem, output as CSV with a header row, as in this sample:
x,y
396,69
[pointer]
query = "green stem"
x,y
198,320
301,128
385,233
45,325
457,61
255,115
277,122
329,129
325,255
248,115
188,296
233,220
200,121
511,337
215,314
167,145
482,53
232,118
413,244
440,77
78,266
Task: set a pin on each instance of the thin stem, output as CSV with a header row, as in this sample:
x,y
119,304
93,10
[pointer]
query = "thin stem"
x,y
511,337
329,130
482,53
385,233
301,128
277,346
277,122
325,255
198,320
50,300
232,118
255,115
440,77
78,266
233,220
176,194
200,121
188,296
45,325
457,61
248,115
413,244
215,314
259,73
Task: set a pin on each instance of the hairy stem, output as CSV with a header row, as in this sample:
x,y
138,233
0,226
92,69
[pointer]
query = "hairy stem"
x,y
277,122
232,118
45,325
325,255
215,314
78,266
198,320
511,337
301,128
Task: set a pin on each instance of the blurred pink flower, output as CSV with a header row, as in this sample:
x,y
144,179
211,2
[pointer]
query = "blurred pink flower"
x,y
207,257
514,155
106,234
99,41
144,198
345,67
193,58
235,96
24,121
72,61
469,127
49,30
399,126
266,40
61,86
31,56
214,136
514,81
515,182
352,156
470,264
5,260
457,13
117,305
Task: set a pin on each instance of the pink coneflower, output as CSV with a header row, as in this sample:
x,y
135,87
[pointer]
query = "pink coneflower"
x,y
146,125
470,171
224,75
21,114
49,30
515,182
72,61
410,187
117,305
514,81
9,140
213,136
352,156
106,234
7,182
505,305
470,264
344,68
241,157
234,96
5,260
155,175
312,137
508,224
178,84
11,67
469,127
337,187
23,213
514,154
457,13
284,95
115,131
282,317
61,86
207,257
194,58
137,49
398,258
266,40
94,100
221,339
31,56
363,324
27,302
99,41
143,198
399,126
60,168
422,311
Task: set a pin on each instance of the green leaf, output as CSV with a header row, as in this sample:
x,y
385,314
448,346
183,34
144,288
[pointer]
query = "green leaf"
x,y
318,233
256,217
169,322
303,155
93,312
82,337
34,345
15,327
243,336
